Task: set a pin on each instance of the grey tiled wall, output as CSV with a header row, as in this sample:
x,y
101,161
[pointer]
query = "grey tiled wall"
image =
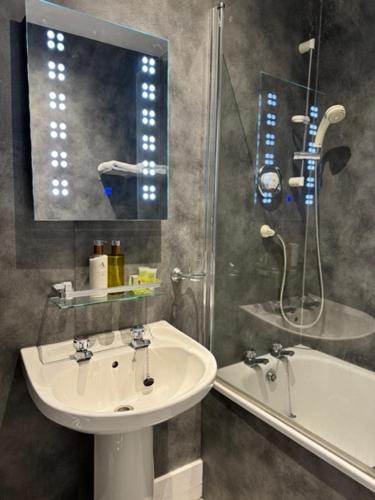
x,y
244,458
38,459
264,37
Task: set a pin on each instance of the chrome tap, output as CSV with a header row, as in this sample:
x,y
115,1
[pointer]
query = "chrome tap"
x,y
138,337
278,351
250,358
81,345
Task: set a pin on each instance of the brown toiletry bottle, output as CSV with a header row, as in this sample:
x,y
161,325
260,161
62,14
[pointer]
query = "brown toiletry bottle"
x,y
116,264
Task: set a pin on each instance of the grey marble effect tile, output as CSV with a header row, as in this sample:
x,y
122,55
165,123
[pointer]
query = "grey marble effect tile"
x,y
38,457
264,37
35,255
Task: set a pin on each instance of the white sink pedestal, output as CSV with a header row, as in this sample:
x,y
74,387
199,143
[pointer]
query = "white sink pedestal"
x,y
107,397
124,466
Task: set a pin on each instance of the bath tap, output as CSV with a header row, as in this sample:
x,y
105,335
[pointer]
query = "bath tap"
x,y
138,337
250,358
81,346
278,351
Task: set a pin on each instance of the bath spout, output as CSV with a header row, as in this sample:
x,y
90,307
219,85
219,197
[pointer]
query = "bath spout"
x,y
285,352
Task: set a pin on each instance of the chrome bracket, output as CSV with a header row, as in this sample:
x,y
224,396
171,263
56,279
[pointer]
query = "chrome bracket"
x,y
302,155
64,289
177,276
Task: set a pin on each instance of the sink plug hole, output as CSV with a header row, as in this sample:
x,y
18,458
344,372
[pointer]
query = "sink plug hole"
x,y
115,364
148,381
124,408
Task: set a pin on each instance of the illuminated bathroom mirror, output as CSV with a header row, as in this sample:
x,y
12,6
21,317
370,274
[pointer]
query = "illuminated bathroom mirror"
x,y
99,117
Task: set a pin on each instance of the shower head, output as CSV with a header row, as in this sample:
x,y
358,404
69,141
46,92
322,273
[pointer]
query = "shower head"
x,y
267,231
334,114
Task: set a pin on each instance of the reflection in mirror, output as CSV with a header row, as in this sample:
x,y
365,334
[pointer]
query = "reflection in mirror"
x,y
99,117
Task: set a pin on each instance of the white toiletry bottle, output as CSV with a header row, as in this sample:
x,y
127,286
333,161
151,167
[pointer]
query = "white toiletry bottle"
x,y
98,264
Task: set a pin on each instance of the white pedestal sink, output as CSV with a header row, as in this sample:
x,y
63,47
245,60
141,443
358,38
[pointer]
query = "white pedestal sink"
x,y
124,465
106,396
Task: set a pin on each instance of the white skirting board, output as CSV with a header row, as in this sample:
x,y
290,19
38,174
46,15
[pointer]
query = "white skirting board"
x,y
185,483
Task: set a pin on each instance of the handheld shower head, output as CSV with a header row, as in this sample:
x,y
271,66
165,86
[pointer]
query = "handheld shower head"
x,y
267,232
334,114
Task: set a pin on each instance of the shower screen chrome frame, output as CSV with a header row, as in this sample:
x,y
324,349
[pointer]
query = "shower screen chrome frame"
x,y
212,170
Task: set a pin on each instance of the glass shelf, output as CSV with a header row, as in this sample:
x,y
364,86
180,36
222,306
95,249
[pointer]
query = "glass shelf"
x,y
63,303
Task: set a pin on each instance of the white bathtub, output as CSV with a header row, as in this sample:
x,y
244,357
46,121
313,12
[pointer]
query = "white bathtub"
x,y
332,400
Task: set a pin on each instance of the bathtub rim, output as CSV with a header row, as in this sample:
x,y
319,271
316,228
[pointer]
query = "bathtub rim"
x,y
340,463
295,330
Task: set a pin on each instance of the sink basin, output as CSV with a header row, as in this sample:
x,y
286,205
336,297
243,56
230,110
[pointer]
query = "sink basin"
x,y
106,396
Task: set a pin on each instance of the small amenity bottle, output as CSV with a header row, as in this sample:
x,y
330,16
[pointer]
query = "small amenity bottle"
x,y
116,265
98,268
